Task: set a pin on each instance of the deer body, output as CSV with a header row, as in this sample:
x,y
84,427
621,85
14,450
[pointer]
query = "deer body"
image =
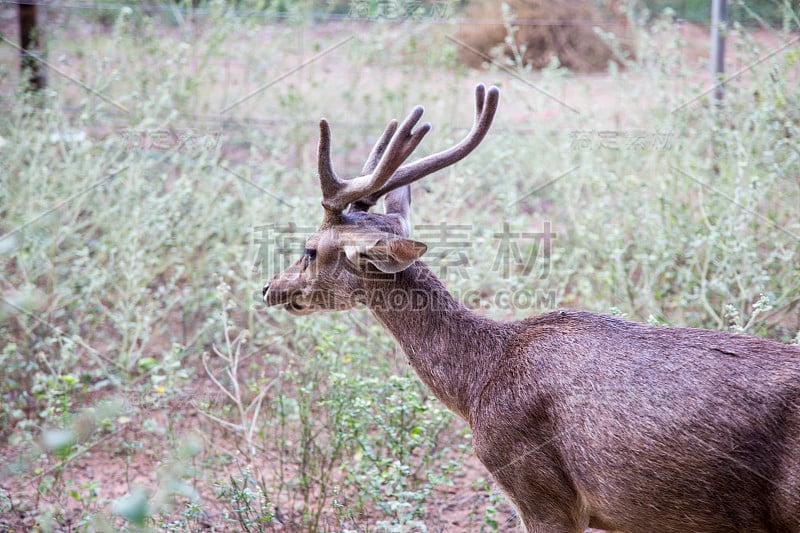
x,y
637,428
583,419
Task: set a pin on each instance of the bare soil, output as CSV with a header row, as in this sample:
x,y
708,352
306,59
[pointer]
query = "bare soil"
x,y
143,442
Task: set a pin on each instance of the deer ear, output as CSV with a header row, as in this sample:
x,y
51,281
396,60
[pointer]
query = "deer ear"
x,y
388,255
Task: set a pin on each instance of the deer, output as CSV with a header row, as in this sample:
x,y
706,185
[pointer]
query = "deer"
x,y
583,420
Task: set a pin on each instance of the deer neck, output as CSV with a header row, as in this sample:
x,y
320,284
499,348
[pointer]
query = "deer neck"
x,y
451,348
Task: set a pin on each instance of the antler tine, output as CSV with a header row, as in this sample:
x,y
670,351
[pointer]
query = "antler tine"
x,y
328,180
392,149
385,160
380,146
334,189
485,109
401,146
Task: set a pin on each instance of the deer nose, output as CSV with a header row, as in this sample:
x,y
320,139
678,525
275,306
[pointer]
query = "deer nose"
x,y
264,290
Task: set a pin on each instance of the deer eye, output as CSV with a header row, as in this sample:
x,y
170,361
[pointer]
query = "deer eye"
x,y
311,253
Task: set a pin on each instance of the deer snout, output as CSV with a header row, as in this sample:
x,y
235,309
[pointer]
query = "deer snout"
x,y
278,294
273,295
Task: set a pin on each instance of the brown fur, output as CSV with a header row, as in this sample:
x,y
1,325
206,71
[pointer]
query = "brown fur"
x,y
584,420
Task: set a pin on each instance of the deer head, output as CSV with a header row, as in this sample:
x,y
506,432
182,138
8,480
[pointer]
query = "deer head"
x,y
354,245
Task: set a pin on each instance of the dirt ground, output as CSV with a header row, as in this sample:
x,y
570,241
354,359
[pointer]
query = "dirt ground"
x,y
117,467
137,453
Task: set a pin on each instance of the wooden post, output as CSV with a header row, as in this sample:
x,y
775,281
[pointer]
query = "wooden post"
x,y
31,42
719,20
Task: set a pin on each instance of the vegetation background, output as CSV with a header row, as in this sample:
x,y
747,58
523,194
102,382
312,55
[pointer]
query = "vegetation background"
x,y
168,171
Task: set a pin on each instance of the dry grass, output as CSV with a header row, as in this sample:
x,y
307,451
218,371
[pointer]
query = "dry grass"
x,y
131,269
541,31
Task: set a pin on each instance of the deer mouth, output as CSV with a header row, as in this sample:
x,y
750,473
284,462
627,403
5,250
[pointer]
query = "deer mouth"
x,y
295,307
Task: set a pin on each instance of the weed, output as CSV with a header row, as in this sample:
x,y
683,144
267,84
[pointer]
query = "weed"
x,y
129,301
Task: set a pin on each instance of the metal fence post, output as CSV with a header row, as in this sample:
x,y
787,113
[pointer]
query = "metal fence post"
x,y
719,20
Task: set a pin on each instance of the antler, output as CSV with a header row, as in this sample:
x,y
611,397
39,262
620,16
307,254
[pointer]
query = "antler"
x,y
394,147
383,172
485,109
